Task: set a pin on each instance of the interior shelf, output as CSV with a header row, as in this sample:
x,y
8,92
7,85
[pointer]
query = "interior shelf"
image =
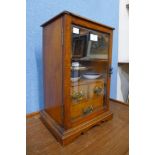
x,y
84,81
90,59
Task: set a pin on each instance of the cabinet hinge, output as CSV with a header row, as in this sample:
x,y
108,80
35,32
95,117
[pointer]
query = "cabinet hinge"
x,y
110,71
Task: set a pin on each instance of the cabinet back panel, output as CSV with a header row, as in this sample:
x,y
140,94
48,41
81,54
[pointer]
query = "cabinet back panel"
x,y
52,35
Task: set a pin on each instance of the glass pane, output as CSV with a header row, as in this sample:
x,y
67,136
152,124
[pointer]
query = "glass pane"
x,y
98,49
89,44
89,65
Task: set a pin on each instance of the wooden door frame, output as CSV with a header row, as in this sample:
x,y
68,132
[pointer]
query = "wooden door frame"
x,y
68,20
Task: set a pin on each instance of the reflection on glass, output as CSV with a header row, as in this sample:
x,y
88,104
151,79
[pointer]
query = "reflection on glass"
x,y
90,44
89,65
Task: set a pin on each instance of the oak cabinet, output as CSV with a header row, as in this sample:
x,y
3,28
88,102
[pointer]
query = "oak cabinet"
x,y
77,69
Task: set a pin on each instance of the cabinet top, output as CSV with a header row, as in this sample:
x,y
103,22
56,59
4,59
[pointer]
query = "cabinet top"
x,y
74,15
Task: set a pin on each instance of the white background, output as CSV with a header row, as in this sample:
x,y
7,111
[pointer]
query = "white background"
x,y
123,33
142,76
13,77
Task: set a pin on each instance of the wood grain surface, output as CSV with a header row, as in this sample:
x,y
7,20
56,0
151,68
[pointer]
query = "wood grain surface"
x,y
53,70
109,138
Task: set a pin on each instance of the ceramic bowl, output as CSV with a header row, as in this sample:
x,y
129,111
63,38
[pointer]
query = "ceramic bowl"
x,y
91,75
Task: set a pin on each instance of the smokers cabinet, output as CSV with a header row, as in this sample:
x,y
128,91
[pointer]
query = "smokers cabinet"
x,y
77,70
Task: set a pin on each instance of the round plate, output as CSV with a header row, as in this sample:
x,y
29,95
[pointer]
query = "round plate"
x,y
87,76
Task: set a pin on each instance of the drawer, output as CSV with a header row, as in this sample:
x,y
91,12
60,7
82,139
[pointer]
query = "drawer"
x,y
86,107
86,99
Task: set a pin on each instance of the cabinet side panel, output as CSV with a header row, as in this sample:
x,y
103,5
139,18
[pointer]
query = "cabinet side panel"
x,y
52,47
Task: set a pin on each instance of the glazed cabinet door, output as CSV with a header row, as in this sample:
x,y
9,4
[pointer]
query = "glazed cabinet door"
x,y
89,71
87,59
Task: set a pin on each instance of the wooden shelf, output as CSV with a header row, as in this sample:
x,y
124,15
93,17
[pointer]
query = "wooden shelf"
x,y
90,59
80,68
84,81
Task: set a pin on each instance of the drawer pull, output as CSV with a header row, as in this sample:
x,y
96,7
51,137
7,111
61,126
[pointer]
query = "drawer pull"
x,y
78,95
88,110
98,90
